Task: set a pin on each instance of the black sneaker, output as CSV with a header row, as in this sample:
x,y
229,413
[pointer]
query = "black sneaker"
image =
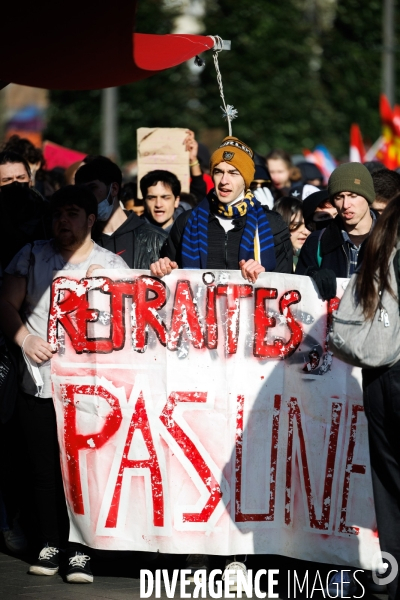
x,y
48,562
78,570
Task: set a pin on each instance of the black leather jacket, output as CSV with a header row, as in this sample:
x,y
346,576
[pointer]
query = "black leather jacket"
x,y
137,242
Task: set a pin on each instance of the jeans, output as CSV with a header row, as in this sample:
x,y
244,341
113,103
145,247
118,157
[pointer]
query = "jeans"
x,y
38,422
4,526
382,409
13,471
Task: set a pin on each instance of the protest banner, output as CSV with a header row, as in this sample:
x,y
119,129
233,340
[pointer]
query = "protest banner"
x,y
163,148
202,414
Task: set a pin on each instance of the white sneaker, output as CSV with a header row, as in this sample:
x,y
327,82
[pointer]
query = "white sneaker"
x,y
15,539
233,576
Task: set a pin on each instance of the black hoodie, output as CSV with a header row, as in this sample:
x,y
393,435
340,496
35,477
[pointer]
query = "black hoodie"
x,y
137,242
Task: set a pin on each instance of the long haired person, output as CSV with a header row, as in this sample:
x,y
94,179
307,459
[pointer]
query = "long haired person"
x,y
282,171
381,386
291,211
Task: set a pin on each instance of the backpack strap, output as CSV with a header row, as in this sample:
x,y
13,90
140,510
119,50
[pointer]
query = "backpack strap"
x,y
319,257
396,265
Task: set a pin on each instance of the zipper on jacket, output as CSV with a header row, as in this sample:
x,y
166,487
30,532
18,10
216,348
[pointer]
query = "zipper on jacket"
x,y
226,249
384,317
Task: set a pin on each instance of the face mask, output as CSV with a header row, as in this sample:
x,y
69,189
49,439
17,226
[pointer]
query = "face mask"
x,y
105,208
16,197
15,190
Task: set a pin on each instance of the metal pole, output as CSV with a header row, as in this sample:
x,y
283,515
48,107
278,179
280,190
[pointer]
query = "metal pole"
x,y
109,130
388,62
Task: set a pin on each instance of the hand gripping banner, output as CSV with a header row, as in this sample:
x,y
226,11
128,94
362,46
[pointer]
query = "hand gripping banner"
x,y
201,414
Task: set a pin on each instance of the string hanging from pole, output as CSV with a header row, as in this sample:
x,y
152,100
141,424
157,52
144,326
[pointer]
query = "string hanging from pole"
x,y
228,111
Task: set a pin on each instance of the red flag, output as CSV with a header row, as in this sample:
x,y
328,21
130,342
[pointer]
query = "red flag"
x,y
58,156
389,151
357,150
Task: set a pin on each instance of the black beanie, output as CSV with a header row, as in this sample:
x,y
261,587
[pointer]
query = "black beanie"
x,y
310,171
312,202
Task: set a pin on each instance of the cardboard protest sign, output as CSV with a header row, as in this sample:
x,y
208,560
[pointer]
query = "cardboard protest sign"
x,y
201,414
163,148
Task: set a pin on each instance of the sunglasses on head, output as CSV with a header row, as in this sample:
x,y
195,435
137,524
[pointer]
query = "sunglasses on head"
x,y
257,183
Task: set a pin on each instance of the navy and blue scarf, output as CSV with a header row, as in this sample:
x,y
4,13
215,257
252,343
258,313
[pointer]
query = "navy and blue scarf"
x,y
257,240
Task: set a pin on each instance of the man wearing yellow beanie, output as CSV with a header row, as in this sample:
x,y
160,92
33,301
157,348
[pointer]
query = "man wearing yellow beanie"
x,y
229,229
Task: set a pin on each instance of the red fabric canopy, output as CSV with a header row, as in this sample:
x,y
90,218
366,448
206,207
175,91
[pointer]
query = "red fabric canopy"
x,y
85,45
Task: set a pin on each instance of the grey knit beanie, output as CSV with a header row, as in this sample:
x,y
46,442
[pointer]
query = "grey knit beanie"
x,y
352,177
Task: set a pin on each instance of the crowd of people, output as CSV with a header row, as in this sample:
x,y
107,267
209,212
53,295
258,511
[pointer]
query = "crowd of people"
x,y
244,212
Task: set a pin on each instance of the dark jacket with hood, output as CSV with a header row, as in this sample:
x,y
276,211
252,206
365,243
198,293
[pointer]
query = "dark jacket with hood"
x,y
332,249
139,243
178,211
223,248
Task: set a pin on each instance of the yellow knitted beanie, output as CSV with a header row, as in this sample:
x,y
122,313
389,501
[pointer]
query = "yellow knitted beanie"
x,y
237,154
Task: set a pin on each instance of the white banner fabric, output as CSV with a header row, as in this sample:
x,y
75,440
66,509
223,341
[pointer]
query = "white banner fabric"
x,y
201,414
